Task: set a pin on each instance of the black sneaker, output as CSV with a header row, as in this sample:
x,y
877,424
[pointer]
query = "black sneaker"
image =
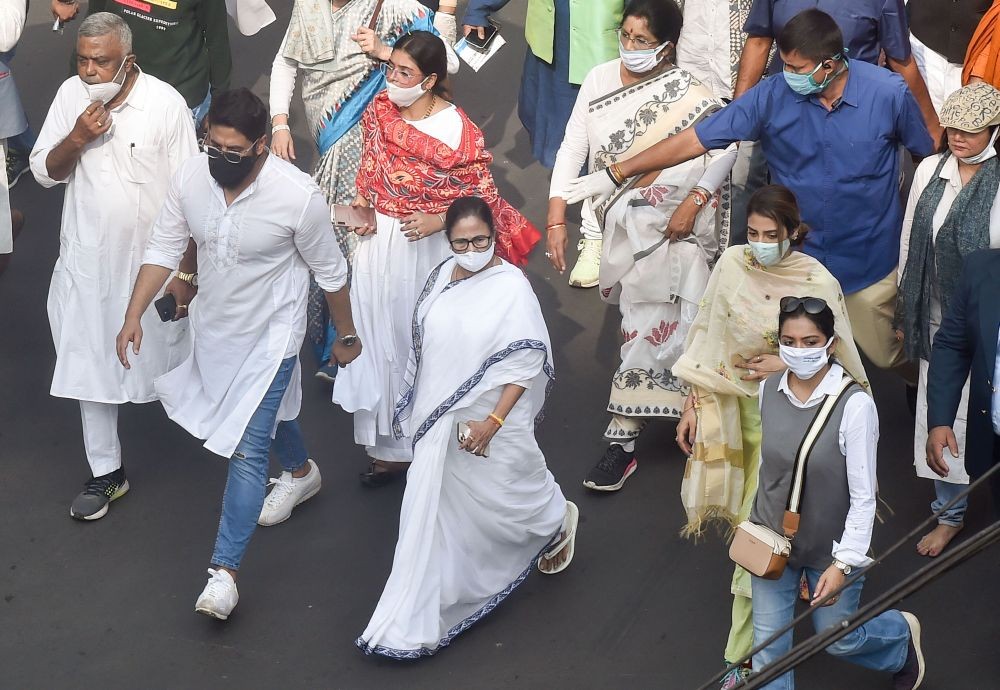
x,y
912,674
615,467
17,165
92,503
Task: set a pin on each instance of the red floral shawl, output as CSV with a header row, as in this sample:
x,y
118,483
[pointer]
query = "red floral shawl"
x,y
404,171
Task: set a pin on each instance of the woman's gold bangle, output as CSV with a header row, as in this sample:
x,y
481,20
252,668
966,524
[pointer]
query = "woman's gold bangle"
x,y
496,419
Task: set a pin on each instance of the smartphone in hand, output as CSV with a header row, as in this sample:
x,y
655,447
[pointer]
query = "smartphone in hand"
x,y
166,307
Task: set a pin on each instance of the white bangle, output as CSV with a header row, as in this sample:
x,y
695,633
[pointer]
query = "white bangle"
x,y
280,128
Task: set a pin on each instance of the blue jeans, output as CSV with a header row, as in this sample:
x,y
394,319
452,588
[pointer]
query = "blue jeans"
x,y
199,112
879,644
944,492
247,482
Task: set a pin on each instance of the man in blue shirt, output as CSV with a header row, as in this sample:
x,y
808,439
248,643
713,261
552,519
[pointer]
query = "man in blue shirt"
x,y
870,28
833,141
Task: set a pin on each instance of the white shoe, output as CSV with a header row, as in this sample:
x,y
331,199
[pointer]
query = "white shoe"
x,y
287,493
587,272
219,597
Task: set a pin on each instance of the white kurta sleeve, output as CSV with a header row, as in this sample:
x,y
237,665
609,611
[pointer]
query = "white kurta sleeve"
x,y
575,145
859,443
181,140
169,236
12,13
282,81
317,245
59,122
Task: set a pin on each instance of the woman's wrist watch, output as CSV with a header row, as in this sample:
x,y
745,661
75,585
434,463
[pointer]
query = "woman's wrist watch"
x,y
842,567
349,340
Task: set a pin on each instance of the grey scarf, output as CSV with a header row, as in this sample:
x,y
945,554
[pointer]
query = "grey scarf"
x,y
966,228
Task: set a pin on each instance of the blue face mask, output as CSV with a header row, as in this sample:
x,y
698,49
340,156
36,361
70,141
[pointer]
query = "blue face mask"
x,y
805,85
769,253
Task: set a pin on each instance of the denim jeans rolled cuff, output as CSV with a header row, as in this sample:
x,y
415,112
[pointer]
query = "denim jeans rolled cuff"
x,y
880,644
944,492
248,470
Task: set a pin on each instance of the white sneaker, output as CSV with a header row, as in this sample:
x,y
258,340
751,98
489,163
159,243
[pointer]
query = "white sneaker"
x,y
587,272
287,493
219,597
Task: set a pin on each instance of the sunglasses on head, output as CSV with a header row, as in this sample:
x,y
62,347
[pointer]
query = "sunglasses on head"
x,y
811,305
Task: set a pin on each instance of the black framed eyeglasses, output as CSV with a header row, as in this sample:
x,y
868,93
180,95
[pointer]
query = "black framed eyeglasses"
x,y
233,157
811,305
479,242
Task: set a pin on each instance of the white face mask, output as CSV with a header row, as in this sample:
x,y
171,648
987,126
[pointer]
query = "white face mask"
x,y
804,362
640,61
404,96
986,153
105,91
473,261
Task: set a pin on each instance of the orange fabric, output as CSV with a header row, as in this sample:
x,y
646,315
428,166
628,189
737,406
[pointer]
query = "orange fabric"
x,y
983,56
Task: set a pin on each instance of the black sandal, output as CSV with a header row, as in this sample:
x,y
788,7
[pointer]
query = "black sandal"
x,y
375,480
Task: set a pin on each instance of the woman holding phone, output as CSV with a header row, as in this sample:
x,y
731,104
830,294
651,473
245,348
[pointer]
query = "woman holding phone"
x,y
480,508
420,153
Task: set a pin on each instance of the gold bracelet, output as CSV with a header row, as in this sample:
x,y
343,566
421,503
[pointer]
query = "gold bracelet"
x,y
496,419
616,171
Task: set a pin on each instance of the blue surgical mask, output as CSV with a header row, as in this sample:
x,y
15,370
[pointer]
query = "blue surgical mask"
x,y
805,85
769,253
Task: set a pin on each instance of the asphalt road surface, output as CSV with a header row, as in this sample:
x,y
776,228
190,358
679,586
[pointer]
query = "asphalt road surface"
x,y
111,604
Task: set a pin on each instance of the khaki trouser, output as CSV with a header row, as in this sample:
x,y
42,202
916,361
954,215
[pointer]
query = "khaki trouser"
x,y
871,312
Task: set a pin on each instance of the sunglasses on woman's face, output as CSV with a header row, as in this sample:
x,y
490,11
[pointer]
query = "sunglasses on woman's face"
x,y
811,305
479,242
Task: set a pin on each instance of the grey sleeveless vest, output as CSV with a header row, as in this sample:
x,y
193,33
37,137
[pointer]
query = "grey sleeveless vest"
x,y
826,497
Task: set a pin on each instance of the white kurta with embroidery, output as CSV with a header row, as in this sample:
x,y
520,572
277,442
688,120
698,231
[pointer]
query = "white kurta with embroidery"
x,y
112,197
254,258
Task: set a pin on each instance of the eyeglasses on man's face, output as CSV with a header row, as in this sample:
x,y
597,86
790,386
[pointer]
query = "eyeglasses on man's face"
x,y
480,242
229,155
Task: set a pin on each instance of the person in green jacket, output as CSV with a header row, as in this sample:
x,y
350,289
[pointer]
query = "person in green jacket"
x,y
566,39
182,42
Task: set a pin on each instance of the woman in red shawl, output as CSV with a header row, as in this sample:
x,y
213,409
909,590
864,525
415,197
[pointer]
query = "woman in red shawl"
x,y
420,153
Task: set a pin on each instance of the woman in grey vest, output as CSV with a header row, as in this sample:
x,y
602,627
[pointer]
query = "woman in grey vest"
x,y
837,507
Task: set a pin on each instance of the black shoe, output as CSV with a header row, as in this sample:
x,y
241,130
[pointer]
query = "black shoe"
x,y
93,502
615,467
17,165
374,480
912,674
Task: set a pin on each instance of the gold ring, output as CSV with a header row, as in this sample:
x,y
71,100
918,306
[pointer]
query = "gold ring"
x,y
182,306
100,124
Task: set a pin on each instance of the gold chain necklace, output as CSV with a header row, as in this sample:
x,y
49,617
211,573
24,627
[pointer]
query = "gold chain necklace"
x,y
430,107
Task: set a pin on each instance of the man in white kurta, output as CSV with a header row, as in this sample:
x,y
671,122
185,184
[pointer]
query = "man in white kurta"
x,y
260,226
113,147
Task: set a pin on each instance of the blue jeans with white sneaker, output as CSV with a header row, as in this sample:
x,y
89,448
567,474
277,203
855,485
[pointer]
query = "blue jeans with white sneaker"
x,y
943,493
880,644
248,469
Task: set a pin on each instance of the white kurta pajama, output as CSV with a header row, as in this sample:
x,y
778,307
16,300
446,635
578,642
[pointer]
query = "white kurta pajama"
x,y
470,528
254,258
389,272
112,197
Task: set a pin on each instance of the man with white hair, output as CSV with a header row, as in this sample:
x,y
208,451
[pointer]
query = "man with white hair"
x,y
113,136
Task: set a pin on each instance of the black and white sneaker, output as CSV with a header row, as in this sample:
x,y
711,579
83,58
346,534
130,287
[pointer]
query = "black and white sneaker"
x,y
615,467
93,501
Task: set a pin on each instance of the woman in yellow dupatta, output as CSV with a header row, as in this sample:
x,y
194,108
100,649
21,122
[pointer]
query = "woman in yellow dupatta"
x,y
731,346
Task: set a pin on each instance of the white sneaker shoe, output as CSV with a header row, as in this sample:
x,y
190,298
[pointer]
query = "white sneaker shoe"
x,y
587,272
287,493
219,597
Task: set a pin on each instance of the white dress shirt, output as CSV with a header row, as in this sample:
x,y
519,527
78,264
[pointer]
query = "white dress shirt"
x,y
859,443
254,259
704,48
112,197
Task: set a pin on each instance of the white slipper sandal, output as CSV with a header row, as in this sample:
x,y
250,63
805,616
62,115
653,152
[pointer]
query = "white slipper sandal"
x,y
568,542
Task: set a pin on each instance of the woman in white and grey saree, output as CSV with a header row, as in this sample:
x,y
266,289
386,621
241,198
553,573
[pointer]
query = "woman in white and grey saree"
x,y
481,509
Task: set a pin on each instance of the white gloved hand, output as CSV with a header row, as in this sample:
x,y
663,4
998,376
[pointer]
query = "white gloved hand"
x,y
446,26
598,186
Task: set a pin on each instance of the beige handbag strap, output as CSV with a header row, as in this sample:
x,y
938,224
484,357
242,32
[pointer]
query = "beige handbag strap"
x,y
790,523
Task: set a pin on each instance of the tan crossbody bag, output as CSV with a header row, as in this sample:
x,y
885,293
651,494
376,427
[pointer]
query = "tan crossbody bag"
x,y
758,548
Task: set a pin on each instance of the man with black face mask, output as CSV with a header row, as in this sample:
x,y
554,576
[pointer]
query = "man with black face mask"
x,y
113,136
260,226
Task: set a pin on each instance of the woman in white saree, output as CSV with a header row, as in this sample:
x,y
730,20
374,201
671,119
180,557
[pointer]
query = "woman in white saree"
x,y
480,508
